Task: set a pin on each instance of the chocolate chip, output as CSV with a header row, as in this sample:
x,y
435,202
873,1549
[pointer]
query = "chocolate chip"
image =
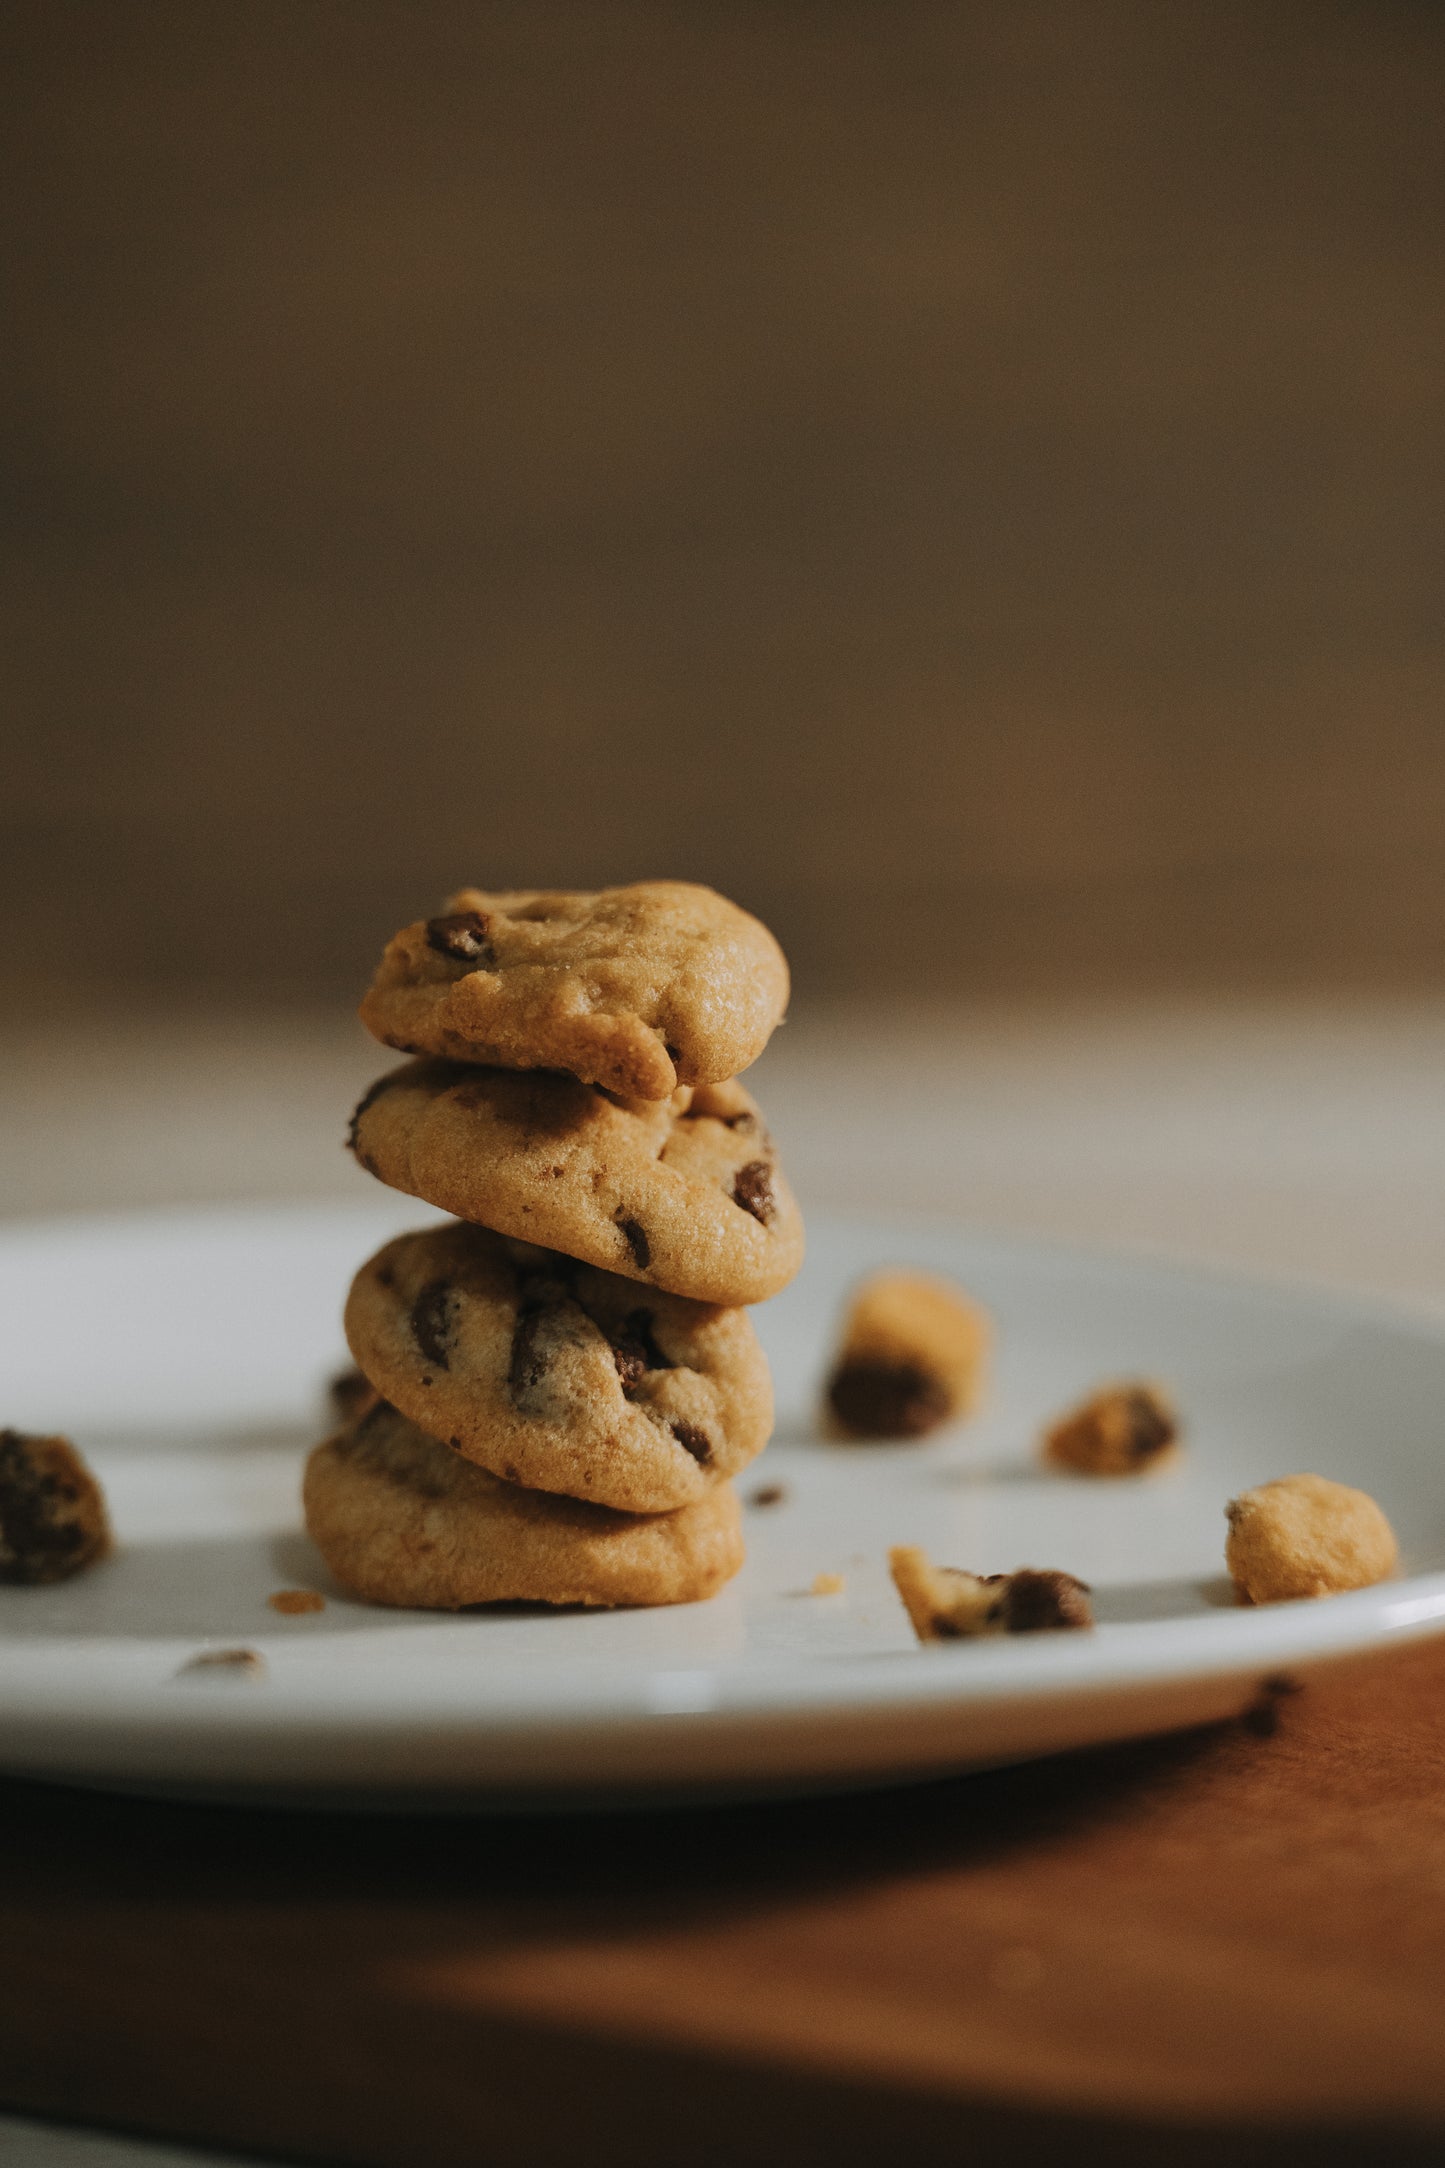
x,y
369,1099
768,1494
463,935
635,1350
635,1235
631,1364
874,1399
431,1322
528,1363
1150,1426
1035,1602
753,1190
694,1441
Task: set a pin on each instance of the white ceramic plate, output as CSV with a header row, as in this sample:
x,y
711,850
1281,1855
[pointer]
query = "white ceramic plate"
x,y
186,1353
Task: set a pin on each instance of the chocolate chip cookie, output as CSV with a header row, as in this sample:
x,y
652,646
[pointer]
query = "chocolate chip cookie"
x,y
640,988
557,1376
401,1519
683,1193
53,1519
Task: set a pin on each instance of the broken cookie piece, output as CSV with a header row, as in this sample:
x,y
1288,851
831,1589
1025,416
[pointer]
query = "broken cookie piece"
x,y
1306,1536
912,1358
945,1604
1120,1430
53,1521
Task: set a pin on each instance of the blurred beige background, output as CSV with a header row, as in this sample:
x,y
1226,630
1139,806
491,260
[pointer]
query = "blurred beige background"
x,y
967,480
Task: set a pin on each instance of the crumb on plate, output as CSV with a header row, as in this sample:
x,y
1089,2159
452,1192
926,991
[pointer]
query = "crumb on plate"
x,y
946,1604
1306,1536
828,1584
768,1494
912,1357
294,1602
1120,1430
244,1663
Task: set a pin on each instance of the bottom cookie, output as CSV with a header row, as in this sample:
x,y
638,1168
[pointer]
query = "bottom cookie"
x,y
401,1519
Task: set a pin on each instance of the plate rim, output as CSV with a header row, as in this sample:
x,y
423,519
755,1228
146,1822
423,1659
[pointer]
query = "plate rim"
x,y
1124,1659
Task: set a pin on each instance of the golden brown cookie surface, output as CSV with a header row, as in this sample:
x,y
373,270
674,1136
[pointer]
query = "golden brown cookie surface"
x,y
557,1376
1123,1429
640,988
401,1519
683,1193
1306,1536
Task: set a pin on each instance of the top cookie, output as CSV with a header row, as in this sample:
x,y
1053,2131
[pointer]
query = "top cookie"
x,y
640,988
683,1193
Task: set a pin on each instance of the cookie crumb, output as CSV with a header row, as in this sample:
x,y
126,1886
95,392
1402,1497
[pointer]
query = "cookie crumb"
x,y
768,1494
243,1663
1306,1536
53,1519
945,1604
827,1584
1120,1430
912,1357
294,1602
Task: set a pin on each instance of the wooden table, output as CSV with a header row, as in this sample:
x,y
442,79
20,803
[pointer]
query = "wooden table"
x,y
1189,1949
1222,1947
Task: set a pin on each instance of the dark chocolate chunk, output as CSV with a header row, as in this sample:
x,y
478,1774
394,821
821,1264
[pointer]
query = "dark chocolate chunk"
x,y
635,1350
768,1494
528,1363
753,1190
431,1322
1035,1602
875,1399
694,1441
635,1235
464,935
1150,1426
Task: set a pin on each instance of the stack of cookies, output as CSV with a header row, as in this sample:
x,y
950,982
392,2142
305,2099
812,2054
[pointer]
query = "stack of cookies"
x,y
561,1380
